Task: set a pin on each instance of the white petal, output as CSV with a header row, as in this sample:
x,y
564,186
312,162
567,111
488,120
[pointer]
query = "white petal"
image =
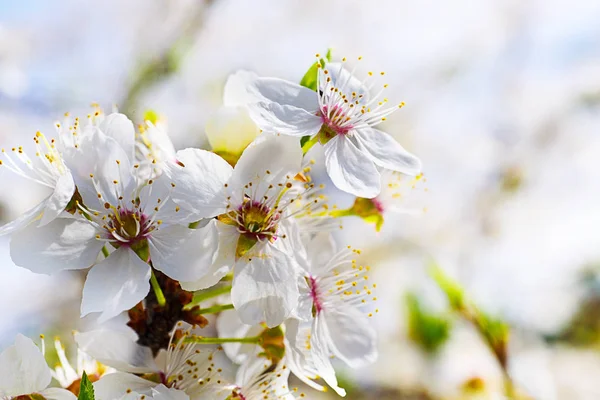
x,y
112,164
343,80
386,152
23,369
284,92
57,394
230,129
280,155
64,243
184,254
214,274
236,89
58,200
350,170
161,392
308,363
321,357
82,161
224,260
120,128
284,119
116,284
114,386
264,286
320,250
230,325
353,338
25,219
116,349
199,184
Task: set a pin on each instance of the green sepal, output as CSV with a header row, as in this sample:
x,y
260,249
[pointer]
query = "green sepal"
x,y
86,389
271,340
244,244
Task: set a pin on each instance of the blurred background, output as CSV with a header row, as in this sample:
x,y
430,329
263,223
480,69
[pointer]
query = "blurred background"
x,y
503,108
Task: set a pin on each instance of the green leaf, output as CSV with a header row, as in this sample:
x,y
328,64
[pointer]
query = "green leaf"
x,y
86,389
429,331
454,292
309,79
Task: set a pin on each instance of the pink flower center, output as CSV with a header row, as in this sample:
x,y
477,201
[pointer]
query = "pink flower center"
x,y
314,294
335,121
378,205
128,227
257,219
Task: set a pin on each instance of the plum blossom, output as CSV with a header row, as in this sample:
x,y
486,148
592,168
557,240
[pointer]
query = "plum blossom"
x,y
134,219
336,287
258,231
259,379
47,168
184,366
342,116
24,372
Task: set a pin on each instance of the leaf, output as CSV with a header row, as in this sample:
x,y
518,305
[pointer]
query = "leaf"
x,y
309,79
427,330
86,389
454,292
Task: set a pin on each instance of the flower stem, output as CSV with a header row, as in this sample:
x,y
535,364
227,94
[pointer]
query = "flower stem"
x,y
214,340
160,297
105,252
215,309
307,146
208,294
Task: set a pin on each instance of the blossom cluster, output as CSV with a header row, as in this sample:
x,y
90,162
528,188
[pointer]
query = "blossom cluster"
x,y
241,231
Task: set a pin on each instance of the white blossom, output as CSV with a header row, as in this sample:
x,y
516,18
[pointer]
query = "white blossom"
x,y
342,116
24,371
258,232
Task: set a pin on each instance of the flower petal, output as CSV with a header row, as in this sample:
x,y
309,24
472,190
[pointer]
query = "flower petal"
x,y
386,152
264,286
24,219
236,92
230,129
116,284
285,93
23,369
269,159
116,349
120,128
115,386
309,363
285,119
350,170
65,243
199,182
161,392
57,394
58,200
352,337
343,80
229,325
320,250
184,254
